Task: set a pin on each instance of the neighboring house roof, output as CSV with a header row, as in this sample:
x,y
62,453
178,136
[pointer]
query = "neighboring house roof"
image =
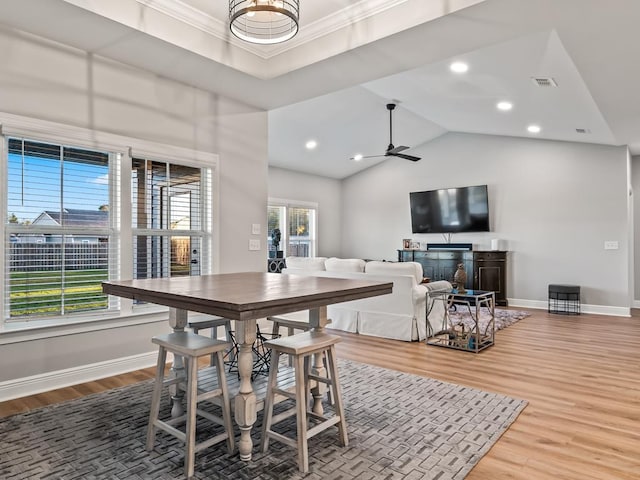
x,y
73,217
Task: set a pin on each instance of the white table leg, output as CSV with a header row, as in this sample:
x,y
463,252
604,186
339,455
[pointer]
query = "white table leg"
x,y
245,401
177,321
318,320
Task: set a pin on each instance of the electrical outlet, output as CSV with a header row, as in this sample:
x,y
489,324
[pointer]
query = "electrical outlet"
x,y
611,245
254,244
255,228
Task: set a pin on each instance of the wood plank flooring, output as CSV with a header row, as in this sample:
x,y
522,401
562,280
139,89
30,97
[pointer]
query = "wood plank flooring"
x,y
580,374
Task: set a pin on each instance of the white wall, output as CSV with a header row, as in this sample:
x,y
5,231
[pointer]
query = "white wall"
x,y
326,192
552,203
635,184
45,80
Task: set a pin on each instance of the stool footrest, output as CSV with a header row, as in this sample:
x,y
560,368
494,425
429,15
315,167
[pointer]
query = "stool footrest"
x,y
172,381
171,430
210,394
320,379
211,441
283,416
328,422
285,393
282,439
210,417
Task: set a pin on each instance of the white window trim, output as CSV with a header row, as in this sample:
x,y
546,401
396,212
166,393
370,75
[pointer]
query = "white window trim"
x,y
43,130
283,202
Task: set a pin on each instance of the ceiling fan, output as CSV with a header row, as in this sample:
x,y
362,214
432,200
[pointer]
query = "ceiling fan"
x,y
391,151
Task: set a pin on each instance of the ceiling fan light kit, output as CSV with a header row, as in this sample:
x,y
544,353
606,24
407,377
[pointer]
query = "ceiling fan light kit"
x,y
392,151
264,21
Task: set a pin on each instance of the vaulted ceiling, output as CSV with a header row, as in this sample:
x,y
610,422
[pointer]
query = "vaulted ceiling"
x,y
351,57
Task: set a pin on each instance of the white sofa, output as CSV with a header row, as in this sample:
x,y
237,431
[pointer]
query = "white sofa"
x,y
400,315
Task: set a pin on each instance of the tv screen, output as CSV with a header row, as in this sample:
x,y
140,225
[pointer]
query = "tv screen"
x,y
450,210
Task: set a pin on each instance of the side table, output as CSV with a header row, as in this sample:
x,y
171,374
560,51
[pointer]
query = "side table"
x,y
455,334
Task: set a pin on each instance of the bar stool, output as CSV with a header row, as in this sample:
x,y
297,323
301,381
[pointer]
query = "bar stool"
x,y
289,324
213,323
191,346
301,348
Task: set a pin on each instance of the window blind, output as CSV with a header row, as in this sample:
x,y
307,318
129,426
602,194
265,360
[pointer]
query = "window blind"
x,y
58,229
168,218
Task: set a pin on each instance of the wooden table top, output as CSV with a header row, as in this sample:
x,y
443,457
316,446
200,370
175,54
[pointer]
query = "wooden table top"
x,y
246,295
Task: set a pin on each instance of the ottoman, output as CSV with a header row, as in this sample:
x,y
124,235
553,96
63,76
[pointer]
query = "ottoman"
x,y
564,299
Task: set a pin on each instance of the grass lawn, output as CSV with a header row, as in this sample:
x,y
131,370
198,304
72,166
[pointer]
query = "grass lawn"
x,y
45,292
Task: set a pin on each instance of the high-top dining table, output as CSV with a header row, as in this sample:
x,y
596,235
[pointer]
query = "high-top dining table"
x,y
246,297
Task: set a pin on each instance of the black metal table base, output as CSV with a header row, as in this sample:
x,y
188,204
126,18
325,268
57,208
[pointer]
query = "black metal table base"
x,y
261,354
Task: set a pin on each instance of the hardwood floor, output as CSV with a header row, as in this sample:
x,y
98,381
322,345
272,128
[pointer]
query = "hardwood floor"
x,y
580,375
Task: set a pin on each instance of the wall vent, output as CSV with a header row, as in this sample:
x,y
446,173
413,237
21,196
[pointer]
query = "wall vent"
x,y
544,81
583,130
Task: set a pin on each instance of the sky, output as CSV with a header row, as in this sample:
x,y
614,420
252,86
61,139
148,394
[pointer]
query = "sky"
x,y
35,184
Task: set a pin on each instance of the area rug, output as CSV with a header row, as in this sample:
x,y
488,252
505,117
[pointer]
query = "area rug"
x,y
400,426
504,317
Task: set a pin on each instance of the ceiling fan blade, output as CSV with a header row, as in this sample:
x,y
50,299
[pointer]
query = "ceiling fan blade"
x,y
398,149
406,157
367,156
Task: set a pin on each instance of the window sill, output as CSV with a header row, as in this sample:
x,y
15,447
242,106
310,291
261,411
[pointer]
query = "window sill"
x,y
16,332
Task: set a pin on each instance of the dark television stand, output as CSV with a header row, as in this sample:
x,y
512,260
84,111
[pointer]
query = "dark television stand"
x,y
486,269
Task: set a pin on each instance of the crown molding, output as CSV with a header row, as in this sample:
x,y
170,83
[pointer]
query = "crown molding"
x,y
346,17
204,22
358,24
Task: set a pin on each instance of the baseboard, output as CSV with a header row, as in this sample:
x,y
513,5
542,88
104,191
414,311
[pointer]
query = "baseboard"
x,y
584,308
636,304
44,382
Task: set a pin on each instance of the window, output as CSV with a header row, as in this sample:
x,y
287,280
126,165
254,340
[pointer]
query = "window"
x,y
291,227
166,218
70,223
58,226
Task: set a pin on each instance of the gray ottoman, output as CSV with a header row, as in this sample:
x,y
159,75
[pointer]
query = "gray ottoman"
x,y
564,299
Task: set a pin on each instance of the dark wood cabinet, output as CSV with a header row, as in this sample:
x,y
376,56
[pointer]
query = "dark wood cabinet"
x,y
486,270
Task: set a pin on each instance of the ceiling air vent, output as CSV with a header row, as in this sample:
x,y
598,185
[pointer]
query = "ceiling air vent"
x,y
583,130
544,81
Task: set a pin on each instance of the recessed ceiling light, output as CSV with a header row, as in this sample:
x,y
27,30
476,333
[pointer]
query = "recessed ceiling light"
x,y
533,129
357,157
459,67
504,106
311,144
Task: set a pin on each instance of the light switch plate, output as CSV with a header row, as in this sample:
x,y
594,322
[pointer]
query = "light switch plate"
x,y
611,245
255,228
254,244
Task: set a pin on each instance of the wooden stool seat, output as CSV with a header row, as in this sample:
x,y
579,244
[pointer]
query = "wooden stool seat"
x,y
301,348
289,324
210,322
303,343
191,346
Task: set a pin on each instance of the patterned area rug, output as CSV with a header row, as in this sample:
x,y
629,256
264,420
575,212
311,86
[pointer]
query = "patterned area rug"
x,y
400,426
504,318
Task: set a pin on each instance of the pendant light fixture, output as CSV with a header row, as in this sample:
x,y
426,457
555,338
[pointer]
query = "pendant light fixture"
x,y
264,21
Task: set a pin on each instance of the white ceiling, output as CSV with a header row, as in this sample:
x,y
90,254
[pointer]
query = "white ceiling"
x,y
351,57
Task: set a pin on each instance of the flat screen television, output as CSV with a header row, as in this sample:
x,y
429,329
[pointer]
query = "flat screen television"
x,y
450,210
